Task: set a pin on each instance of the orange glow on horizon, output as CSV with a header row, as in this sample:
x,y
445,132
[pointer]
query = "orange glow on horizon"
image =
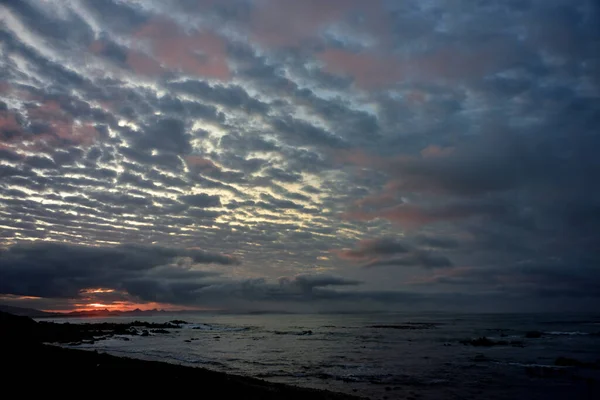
x,y
98,305
124,306
97,290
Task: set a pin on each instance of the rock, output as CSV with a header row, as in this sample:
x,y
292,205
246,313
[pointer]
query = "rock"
x,y
125,331
188,341
533,335
145,333
178,322
160,331
309,332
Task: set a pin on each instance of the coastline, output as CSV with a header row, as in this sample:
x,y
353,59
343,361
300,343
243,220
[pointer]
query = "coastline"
x,y
43,368
512,359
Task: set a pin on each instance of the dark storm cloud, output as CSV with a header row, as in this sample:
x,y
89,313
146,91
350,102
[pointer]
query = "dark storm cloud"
x,y
546,278
437,242
374,248
59,270
149,273
309,282
418,259
389,251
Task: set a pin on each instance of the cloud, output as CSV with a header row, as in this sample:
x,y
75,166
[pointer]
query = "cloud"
x,y
232,96
446,64
388,251
201,200
270,28
167,135
418,258
141,273
546,278
198,53
279,130
61,270
369,70
437,242
414,216
308,282
375,247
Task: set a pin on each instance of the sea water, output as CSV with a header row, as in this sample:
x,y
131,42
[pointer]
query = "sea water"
x,y
383,356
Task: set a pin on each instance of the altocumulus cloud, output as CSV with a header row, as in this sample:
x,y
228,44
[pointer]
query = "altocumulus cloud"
x,y
418,148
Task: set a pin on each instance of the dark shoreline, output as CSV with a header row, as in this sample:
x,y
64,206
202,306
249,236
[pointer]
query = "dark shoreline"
x,y
31,366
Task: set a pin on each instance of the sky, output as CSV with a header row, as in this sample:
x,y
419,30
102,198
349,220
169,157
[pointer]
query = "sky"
x,y
304,156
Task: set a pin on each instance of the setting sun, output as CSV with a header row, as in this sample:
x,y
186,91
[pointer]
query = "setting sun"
x,y
98,305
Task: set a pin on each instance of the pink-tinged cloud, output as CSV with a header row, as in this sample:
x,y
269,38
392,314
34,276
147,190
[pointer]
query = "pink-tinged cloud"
x,y
97,46
379,200
416,97
281,23
21,93
388,197
200,163
436,151
195,53
370,71
62,127
376,70
359,158
4,87
143,64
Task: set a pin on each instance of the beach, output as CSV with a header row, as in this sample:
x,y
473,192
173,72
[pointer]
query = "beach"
x,y
31,367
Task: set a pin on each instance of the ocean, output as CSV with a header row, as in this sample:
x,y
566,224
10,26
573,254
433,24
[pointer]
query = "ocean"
x,y
385,356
